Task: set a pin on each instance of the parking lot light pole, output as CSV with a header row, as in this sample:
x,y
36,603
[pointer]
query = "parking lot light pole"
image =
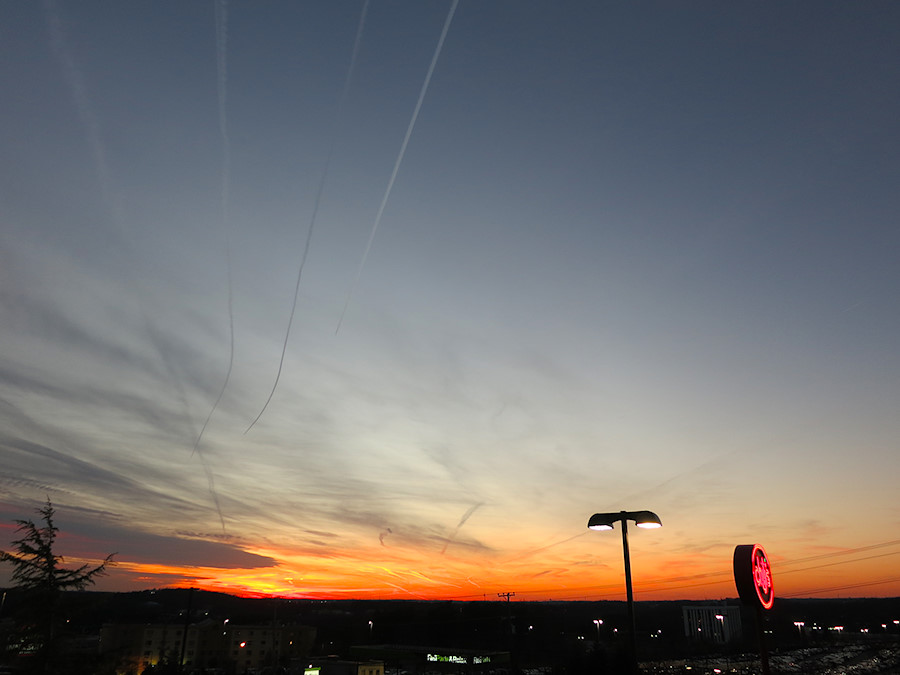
x,y
643,519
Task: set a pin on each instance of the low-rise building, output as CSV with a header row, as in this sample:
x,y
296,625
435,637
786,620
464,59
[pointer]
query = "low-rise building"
x,y
209,644
716,624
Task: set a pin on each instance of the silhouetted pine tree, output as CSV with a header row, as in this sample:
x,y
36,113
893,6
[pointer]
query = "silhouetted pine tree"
x,y
38,572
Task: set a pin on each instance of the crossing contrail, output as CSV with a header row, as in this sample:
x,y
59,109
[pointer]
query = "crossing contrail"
x,y
221,23
315,212
390,185
74,80
462,521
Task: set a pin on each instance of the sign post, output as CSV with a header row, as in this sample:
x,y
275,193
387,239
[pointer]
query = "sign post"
x,y
753,579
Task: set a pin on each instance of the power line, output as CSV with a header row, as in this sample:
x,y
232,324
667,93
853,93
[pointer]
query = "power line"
x,y
840,562
841,588
713,578
847,551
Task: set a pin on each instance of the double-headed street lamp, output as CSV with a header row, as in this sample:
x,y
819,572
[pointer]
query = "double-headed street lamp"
x,y
645,519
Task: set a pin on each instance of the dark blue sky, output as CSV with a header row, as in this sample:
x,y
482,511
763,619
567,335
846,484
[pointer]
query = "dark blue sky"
x,y
640,252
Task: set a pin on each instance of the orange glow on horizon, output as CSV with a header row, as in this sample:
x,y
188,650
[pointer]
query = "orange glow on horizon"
x,y
702,578
570,568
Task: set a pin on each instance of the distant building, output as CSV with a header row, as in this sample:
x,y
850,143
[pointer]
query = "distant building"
x,y
715,624
209,644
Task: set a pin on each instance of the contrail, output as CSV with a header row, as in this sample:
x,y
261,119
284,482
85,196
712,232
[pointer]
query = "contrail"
x,y
468,514
75,82
221,21
655,491
390,185
210,481
315,212
557,543
462,521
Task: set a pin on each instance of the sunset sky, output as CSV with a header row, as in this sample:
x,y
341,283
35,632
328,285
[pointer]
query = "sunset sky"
x,y
630,255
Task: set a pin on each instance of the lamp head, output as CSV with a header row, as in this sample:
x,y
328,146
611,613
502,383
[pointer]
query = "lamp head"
x,y
602,521
646,519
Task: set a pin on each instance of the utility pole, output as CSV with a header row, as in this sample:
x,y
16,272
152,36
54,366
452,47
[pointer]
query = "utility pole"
x,y
508,609
509,623
187,623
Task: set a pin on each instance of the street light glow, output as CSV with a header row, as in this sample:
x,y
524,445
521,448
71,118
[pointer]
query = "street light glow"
x,y
596,523
644,519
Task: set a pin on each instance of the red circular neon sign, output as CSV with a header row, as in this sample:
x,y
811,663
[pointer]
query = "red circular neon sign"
x,y
753,576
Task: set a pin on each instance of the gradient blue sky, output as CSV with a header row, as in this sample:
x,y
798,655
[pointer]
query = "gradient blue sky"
x,y
637,255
